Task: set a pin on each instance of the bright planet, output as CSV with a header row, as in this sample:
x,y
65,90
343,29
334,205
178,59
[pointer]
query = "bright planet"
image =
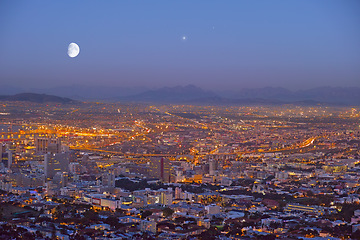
x,y
73,50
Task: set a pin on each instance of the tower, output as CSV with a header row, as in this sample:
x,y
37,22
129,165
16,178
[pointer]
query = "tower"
x,y
160,168
54,163
6,158
166,198
178,193
10,158
61,179
108,179
45,145
212,167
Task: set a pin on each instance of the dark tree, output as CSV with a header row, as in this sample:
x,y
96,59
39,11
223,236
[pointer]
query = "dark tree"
x,y
167,212
145,214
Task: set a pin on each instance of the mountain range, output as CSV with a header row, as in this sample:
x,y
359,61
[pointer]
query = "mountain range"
x,y
261,96
191,94
176,94
336,95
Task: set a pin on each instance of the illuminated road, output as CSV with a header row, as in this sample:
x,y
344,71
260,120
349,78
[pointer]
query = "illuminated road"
x,y
124,154
307,143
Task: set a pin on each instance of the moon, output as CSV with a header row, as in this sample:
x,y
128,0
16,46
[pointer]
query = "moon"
x,y
73,50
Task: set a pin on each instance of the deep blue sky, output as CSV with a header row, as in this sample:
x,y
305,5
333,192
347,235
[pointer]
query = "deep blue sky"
x,y
229,44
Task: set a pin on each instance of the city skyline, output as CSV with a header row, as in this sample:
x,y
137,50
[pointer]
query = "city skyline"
x,y
297,45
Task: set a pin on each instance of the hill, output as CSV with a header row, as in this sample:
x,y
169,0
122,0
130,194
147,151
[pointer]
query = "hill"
x,y
36,98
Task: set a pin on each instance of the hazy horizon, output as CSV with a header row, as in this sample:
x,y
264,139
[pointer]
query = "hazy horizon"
x,y
210,44
150,88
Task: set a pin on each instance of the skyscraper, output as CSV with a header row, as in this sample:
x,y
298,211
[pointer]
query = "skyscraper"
x,y
61,179
178,193
108,179
212,167
166,198
46,145
160,168
6,157
54,163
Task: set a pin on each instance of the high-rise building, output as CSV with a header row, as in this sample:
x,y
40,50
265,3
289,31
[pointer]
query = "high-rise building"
x,y
212,167
108,179
6,158
166,198
61,179
160,168
53,163
178,193
47,145
76,168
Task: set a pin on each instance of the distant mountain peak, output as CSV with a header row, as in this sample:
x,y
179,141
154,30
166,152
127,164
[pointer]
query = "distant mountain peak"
x,y
267,95
171,94
191,93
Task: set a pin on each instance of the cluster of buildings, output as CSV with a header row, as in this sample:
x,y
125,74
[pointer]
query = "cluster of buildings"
x,y
170,177
287,196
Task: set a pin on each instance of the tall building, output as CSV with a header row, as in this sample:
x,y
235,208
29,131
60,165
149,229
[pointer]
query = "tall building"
x,y
53,163
76,168
6,158
178,193
166,198
61,179
46,145
108,179
212,167
160,168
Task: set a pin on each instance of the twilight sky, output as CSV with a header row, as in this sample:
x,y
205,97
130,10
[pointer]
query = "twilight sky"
x,y
212,44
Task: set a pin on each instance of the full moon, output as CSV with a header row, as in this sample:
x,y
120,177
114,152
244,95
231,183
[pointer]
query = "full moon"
x,y
73,50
